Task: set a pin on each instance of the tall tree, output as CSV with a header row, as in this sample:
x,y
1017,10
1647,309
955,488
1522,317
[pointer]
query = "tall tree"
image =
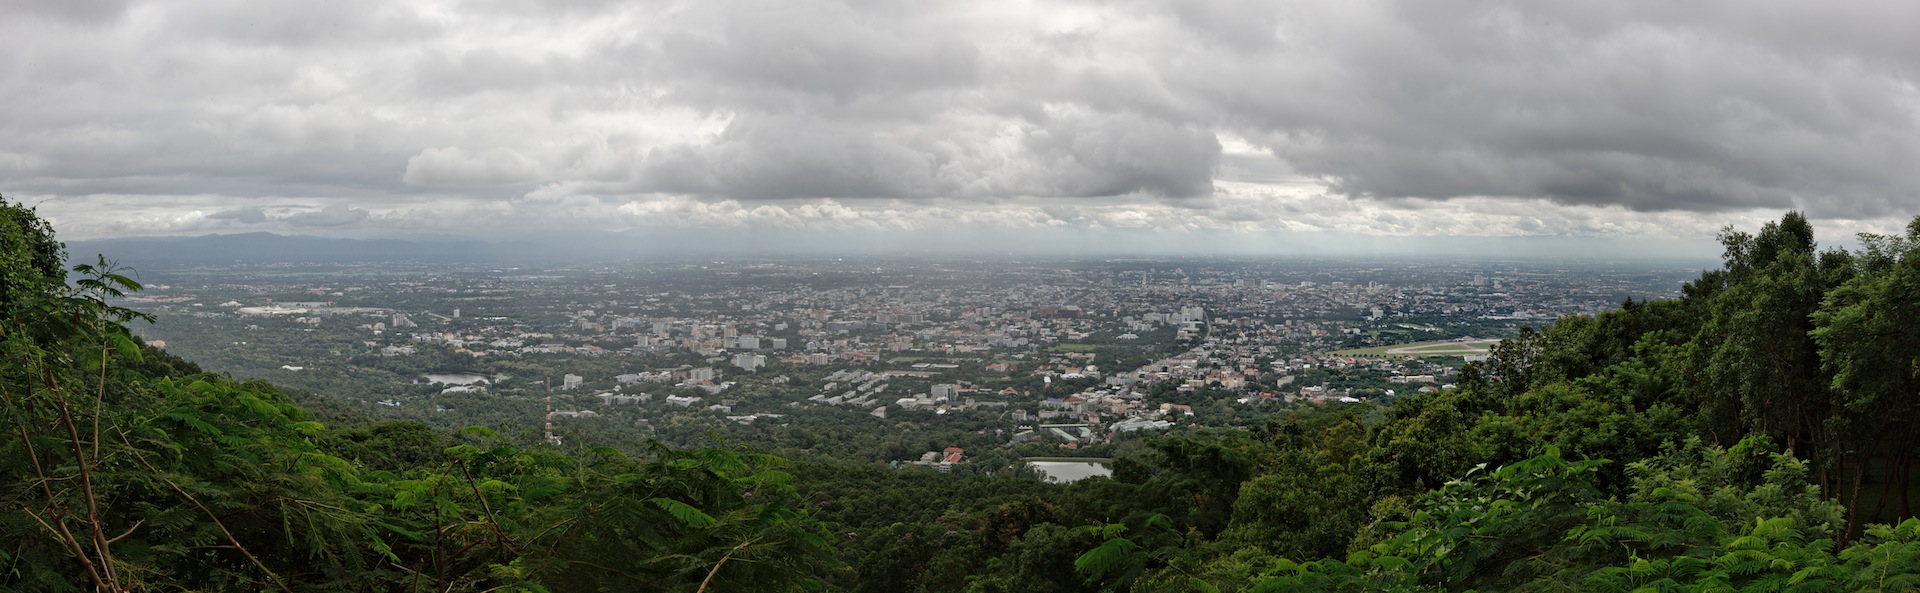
x,y
1755,368
1869,338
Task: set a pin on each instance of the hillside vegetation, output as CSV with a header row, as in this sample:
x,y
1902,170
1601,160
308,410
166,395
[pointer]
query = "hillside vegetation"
x,y
1757,434
130,470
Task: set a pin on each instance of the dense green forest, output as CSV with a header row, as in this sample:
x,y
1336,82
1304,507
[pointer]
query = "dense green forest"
x,y
1756,434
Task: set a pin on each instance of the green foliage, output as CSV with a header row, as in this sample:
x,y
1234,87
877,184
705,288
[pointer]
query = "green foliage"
x,y
1757,366
1313,490
1540,525
1745,416
1122,561
29,257
128,470
1869,337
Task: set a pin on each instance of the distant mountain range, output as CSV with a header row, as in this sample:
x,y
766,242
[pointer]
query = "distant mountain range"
x,y
265,247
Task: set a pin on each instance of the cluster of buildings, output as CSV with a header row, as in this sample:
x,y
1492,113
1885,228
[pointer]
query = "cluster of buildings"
x,y
999,337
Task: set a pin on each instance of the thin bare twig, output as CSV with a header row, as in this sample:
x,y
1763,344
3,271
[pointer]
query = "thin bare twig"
x,y
722,562
605,568
112,581
59,528
66,536
216,521
136,525
491,520
99,403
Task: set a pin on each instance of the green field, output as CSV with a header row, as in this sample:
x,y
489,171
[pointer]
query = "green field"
x,y
1423,349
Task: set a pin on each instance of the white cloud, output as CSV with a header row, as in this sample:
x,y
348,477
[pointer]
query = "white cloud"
x,y
454,166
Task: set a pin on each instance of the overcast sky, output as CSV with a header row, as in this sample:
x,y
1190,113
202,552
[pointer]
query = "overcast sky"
x,y
1622,122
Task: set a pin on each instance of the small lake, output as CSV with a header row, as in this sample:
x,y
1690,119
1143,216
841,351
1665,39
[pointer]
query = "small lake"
x,y
1071,471
456,378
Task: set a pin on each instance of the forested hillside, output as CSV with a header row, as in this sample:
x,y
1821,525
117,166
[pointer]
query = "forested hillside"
x,y
1756,434
129,470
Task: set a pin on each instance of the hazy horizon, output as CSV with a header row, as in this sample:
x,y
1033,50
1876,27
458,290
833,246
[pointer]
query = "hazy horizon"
x,y
918,244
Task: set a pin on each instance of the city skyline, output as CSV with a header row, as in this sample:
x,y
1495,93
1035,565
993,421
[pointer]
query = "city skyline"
x,y
1225,126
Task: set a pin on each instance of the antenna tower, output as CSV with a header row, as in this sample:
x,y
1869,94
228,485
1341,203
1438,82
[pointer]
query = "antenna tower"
x,y
551,440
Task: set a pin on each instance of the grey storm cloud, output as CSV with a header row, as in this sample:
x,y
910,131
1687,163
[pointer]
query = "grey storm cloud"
x,y
1066,156
772,157
1651,106
1641,105
821,49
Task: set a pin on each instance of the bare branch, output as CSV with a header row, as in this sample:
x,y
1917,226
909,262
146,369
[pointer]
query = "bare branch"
x,y
216,522
136,525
